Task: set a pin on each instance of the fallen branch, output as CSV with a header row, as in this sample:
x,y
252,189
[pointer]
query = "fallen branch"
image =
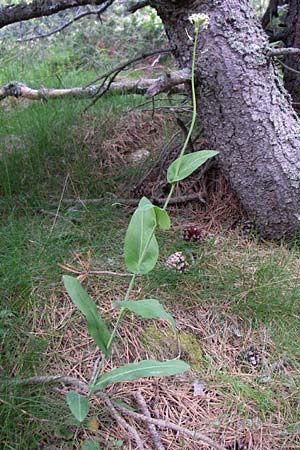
x,y
144,86
166,424
97,12
158,445
121,421
70,381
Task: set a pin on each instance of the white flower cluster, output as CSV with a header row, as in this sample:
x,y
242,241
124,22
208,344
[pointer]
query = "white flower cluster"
x,y
200,21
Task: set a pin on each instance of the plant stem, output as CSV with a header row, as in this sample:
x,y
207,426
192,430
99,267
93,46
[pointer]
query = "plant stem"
x,y
113,333
121,313
194,116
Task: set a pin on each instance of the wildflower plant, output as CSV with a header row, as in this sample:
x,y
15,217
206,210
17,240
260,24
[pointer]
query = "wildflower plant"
x,y
141,253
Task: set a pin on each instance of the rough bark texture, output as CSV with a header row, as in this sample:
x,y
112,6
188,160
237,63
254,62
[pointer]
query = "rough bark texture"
x,y
245,110
292,71
38,8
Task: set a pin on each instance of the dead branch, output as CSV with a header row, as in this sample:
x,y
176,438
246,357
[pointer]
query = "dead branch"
x,y
121,421
288,51
127,63
166,424
158,445
105,398
38,8
133,7
143,86
67,24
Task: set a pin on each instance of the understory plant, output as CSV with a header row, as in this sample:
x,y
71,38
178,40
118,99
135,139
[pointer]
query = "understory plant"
x,y
141,253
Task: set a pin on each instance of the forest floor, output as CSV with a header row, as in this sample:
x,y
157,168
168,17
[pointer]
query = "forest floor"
x,y
236,305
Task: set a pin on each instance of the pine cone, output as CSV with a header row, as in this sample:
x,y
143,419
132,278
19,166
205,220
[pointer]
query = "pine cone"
x,y
193,233
177,261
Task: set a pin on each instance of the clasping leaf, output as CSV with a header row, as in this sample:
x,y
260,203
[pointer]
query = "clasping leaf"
x,y
184,166
141,248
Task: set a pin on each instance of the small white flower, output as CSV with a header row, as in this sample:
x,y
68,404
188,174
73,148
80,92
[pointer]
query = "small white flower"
x,y
200,21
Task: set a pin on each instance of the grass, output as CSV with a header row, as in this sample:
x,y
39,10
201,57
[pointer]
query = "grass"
x,y
238,293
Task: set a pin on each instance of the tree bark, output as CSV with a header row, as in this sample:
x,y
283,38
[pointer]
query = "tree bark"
x,y
292,69
38,8
245,110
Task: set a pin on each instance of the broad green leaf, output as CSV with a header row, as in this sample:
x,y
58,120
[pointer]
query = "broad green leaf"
x,y
78,404
181,168
149,309
141,248
96,326
142,369
162,218
90,445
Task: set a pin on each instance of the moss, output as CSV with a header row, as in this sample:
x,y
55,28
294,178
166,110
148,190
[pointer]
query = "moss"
x,y
163,344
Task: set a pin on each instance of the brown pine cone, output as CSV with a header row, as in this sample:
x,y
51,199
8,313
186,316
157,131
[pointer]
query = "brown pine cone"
x,y
193,233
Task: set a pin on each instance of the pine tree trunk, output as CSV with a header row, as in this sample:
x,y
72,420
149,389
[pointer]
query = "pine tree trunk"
x,y
245,110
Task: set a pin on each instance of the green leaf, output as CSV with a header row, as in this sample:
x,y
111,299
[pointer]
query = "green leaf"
x,y
90,445
183,167
78,404
96,326
162,218
149,309
142,369
141,248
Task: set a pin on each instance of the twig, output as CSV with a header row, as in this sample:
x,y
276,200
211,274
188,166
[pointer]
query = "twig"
x,y
288,51
158,445
166,424
288,67
67,24
119,419
110,77
127,63
93,272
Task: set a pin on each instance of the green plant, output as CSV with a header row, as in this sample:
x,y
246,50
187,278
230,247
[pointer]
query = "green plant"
x,y
141,253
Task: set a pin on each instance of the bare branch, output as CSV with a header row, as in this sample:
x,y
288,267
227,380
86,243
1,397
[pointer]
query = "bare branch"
x,y
143,86
158,445
121,421
38,8
67,24
166,424
127,63
288,51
